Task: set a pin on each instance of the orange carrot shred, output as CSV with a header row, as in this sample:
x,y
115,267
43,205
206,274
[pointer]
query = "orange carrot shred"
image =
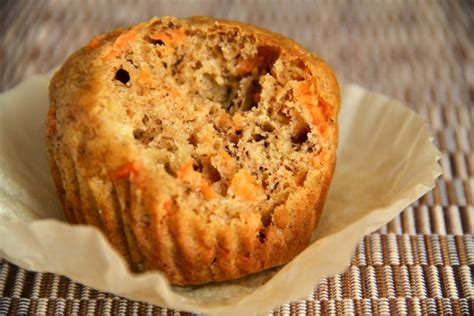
x,y
185,169
224,120
325,107
238,121
187,173
174,92
145,77
121,43
225,156
206,190
245,186
94,42
319,112
124,171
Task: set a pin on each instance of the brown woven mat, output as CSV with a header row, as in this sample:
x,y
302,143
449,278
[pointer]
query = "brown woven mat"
x,y
420,52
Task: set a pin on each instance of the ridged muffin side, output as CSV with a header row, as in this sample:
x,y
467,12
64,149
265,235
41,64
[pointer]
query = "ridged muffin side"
x,y
206,212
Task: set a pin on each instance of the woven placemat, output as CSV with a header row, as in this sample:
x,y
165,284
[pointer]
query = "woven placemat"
x,y
420,52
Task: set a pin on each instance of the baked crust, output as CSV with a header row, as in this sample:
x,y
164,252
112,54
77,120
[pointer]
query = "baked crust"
x,y
102,181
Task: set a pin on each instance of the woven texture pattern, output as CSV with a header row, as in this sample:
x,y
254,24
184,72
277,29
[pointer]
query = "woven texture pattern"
x,y
420,52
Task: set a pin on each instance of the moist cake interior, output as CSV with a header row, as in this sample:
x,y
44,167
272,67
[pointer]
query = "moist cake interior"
x,y
225,118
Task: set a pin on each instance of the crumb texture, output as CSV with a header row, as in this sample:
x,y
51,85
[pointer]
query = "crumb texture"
x,y
201,148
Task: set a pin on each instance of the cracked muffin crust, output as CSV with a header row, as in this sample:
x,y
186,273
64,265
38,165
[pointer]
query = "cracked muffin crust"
x,y
201,148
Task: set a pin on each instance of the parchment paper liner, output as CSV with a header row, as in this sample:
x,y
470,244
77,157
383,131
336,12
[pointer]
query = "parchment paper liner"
x,y
386,161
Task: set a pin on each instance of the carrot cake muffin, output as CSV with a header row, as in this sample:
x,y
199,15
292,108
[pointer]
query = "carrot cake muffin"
x,y
201,148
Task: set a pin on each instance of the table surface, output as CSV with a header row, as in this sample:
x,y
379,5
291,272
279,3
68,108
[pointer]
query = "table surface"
x,y
420,52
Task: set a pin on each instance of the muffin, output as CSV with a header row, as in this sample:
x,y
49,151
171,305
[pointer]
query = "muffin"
x,y
201,148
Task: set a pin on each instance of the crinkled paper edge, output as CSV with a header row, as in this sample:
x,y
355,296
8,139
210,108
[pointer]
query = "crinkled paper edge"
x,y
293,281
